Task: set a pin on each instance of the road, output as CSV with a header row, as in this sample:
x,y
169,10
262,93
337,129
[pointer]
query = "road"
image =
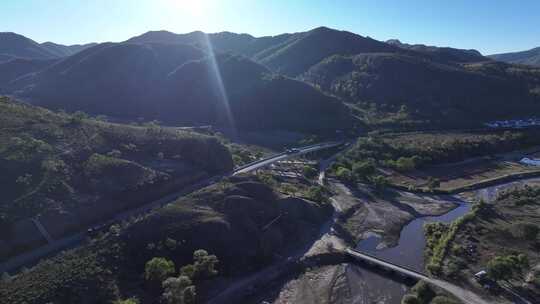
x,y
30,258
460,293
281,156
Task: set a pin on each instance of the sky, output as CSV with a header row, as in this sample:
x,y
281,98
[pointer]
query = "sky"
x,y
490,26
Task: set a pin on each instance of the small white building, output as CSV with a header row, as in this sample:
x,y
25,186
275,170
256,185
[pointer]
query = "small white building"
x,y
530,162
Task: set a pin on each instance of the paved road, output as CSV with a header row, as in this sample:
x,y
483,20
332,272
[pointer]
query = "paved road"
x,y
30,258
270,160
462,294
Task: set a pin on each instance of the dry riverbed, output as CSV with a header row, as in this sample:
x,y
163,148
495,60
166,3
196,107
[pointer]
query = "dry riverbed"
x,y
359,214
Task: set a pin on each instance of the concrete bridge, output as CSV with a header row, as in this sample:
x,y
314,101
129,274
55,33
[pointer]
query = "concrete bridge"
x,y
460,293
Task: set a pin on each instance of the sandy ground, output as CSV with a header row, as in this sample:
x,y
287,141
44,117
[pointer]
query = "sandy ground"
x,y
364,214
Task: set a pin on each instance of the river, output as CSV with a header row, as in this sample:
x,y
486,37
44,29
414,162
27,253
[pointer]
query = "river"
x,y
376,288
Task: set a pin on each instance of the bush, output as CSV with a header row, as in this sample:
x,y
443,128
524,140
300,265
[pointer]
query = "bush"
x,y
410,299
344,174
423,291
309,172
158,269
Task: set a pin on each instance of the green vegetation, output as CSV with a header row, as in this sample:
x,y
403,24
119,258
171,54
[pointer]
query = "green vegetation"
x,y
499,239
506,267
179,290
439,237
409,160
158,269
231,219
423,293
59,163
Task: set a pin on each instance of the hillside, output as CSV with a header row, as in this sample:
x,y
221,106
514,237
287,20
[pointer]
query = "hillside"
x,y
61,50
73,171
303,50
18,46
530,57
426,90
447,54
179,84
229,220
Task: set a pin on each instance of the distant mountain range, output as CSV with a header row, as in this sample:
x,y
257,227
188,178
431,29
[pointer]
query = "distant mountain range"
x,y
14,46
323,79
530,57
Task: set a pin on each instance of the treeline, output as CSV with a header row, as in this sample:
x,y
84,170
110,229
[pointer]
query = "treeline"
x,y
408,152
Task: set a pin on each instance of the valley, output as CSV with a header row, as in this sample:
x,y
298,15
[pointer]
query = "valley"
x,y
320,166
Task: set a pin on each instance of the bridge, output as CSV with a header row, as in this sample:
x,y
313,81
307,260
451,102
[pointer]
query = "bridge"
x,y
460,293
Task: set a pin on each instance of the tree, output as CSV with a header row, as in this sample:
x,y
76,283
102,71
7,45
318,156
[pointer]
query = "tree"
x,y
363,169
504,267
205,264
379,182
423,292
158,269
316,193
179,290
344,174
309,172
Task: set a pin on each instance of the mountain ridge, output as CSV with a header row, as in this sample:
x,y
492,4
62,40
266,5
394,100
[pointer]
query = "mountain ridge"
x,y
528,57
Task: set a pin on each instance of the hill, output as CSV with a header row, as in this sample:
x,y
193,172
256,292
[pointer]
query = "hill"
x,y
416,88
530,57
18,46
72,171
445,54
180,84
231,220
61,50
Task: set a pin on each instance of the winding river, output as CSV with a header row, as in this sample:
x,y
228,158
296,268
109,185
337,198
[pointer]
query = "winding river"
x,y
372,287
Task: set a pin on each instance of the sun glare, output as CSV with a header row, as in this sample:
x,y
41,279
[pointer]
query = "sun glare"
x,y
195,8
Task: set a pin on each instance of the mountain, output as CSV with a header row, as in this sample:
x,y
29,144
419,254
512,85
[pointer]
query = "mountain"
x,y
227,78
428,90
530,57
445,54
180,84
16,45
61,50
13,46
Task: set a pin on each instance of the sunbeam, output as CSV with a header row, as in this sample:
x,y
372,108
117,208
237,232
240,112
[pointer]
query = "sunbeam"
x,y
217,80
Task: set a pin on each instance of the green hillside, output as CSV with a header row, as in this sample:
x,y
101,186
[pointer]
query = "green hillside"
x,y
72,171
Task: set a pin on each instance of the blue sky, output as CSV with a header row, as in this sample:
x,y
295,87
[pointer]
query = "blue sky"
x,y
490,26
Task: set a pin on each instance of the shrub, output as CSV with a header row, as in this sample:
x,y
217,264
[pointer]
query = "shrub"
x,y
179,290
309,172
344,174
158,269
410,299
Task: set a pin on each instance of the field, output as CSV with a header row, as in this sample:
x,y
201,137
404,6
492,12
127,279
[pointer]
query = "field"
x,y
456,176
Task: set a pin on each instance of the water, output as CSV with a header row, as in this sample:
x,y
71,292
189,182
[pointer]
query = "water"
x,y
410,248
409,251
